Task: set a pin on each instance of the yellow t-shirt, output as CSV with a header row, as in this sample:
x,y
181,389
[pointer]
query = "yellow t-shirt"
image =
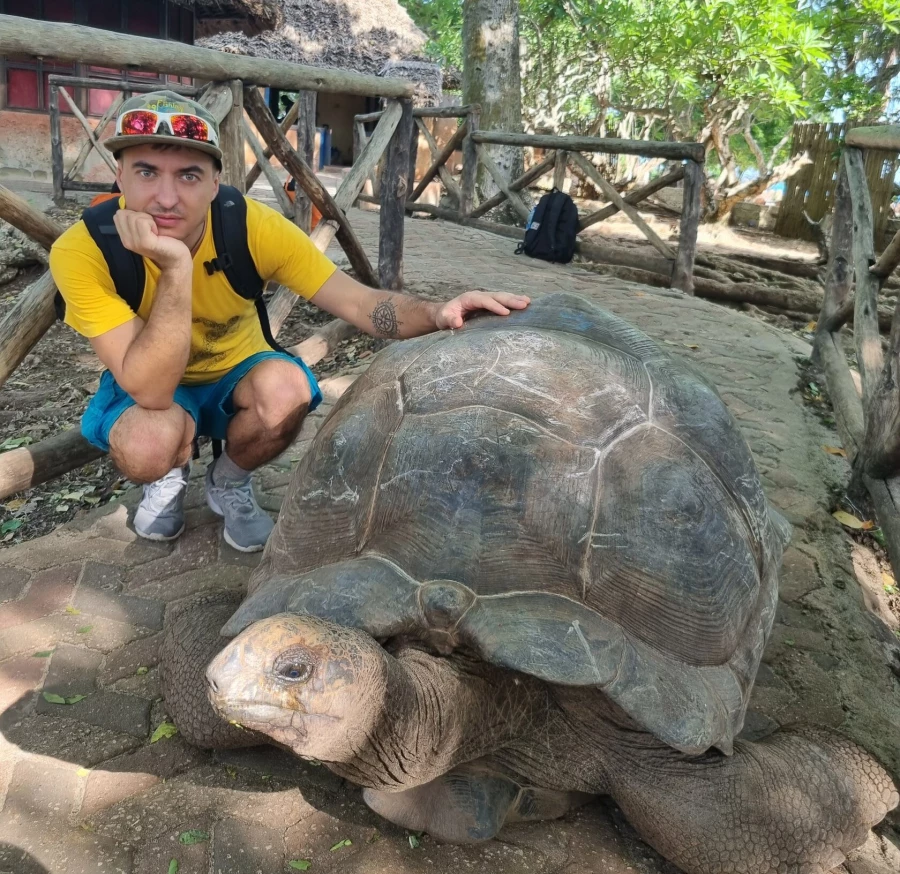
x,y
225,326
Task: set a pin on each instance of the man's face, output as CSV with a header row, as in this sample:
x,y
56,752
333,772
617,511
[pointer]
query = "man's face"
x,y
173,185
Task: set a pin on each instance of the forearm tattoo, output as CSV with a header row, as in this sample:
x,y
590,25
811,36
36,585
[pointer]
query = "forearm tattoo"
x,y
384,319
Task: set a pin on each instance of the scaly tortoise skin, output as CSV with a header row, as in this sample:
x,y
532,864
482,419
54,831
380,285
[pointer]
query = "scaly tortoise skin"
x,y
554,528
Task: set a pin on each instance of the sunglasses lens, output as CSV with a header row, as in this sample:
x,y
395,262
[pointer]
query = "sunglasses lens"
x,y
139,122
190,127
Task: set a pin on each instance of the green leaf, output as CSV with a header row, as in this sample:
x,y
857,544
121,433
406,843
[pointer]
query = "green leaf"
x,y
15,443
299,864
74,699
341,844
163,730
72,611
11,525
415,841
53,698
141,671
84,629
173,867
43,654
193,836
878,536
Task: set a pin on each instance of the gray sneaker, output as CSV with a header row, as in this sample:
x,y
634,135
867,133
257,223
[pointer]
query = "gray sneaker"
x,y
247,525
160,515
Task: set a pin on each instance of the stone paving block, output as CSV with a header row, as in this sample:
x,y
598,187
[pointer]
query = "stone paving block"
x,y
195,548
97,632
42,634
125,661
230,556
155,856
229,577
12,583
145,685
143,612
313,837
55,850
66,739
50,590
46,552
270,761
241,848
19,677
42,789
101,577
166,759
103,789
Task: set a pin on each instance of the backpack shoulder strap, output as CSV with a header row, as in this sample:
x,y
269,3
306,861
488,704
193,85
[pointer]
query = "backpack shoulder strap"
x,y
125,267
233,258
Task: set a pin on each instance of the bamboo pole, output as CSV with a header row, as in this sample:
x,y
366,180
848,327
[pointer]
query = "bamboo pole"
x,y
590,170
301,171
89,45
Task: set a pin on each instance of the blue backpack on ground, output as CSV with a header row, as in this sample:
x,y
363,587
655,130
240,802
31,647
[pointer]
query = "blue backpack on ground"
x,y
552,228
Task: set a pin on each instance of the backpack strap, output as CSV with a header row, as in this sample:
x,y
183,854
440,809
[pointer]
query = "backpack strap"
x,y
125,267
233,257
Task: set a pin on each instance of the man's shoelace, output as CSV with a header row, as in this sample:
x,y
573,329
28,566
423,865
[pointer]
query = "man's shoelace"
x,y
160,495
239,498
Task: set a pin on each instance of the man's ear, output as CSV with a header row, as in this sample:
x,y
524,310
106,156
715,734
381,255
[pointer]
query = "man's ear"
x,y
119,170
216,181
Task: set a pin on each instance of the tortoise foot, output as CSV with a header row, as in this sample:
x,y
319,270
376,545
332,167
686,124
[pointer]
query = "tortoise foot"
x,y
469,804
795,802
191,640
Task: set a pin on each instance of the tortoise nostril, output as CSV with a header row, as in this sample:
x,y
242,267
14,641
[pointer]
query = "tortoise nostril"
x,y
213,685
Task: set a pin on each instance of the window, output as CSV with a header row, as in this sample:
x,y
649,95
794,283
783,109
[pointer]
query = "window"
x,y
26,78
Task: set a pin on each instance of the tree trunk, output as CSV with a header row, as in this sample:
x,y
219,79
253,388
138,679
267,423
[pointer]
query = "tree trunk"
x,y
491,78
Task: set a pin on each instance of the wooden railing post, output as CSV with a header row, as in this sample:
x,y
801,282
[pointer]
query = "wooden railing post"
x,y
306,146
56,148
470,164
231,138
683,269
394,191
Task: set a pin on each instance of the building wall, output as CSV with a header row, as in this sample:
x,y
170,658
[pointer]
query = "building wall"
x,y
337,111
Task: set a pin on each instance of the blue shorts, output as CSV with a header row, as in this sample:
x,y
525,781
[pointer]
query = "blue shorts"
x,y
210,405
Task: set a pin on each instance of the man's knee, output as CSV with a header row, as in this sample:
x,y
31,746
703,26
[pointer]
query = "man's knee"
x,y
146,444
278,396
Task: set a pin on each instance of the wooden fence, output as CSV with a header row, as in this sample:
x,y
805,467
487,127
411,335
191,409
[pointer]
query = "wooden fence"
x,y
562,152
866,402
811,189
227,98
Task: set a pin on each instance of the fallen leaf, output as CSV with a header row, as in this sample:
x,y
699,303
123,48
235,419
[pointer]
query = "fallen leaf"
x,y
231,772
74,699
878,536
43,654
53,698
691,345
173,867
72,611
92,500
84,629
341,844
141,671
788,642
73,496
850,521
12,506
193,836
61,508
10,525
163,730
835,450
299,864
810,327
414,841
83,772
15,443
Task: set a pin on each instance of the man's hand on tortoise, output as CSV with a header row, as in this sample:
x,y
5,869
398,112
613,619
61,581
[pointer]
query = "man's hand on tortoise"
x,y
453,313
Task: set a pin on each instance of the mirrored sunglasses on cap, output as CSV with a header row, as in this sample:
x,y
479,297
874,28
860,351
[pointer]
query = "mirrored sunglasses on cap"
x,y
145,122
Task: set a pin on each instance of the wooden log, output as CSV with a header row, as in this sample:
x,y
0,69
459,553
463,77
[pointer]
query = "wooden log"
x,y
521,208
440,160
269,171
133,85
285,125
423,112
394,191
885,137
231,139
470,165
845,400
645,148
92,138
559,169
218,98
316,347
301,171
306,148
614,197
634,197
56,148
683,271
889,259
445,174
25,323
76,185
88,45
87,147
22,215
865,313
523,181
29,466
413,154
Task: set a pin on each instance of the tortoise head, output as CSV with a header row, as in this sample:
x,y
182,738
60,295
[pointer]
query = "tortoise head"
x,y
313,686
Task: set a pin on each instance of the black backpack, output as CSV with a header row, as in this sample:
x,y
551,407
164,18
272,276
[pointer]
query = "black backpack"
x,y
551,229
233,258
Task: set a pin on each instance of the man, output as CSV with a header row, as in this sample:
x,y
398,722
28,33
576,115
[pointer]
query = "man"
x,y
192,358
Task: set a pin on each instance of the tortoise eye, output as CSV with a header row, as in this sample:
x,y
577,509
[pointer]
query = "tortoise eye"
x,y
295,665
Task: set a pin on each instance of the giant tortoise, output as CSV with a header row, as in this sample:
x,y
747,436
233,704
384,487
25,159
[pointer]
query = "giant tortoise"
x,y
525,563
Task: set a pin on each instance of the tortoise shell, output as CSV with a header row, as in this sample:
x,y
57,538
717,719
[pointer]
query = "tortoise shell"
x,y
554,492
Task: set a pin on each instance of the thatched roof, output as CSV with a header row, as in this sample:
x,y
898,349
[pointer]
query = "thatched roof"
x,y
260,15
360,35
